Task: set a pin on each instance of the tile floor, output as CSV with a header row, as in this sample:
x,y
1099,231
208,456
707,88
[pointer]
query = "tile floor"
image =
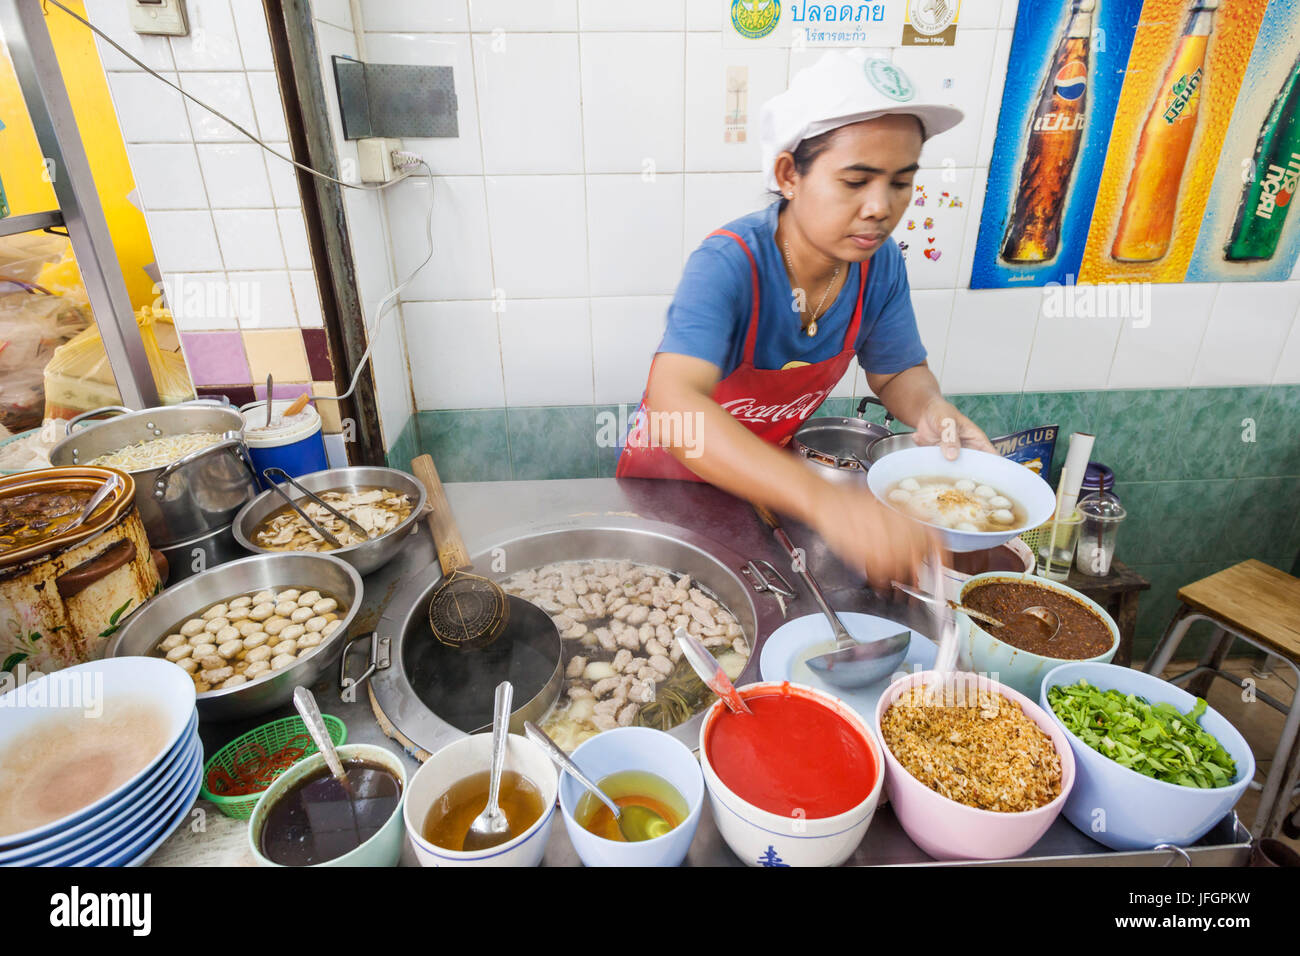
x,y
1259,723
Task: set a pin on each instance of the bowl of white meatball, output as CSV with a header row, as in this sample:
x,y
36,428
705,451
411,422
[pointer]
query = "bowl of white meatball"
x,y
250,631
978,501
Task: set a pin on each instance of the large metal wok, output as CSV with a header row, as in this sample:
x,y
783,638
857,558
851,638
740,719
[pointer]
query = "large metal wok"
x,y
392,677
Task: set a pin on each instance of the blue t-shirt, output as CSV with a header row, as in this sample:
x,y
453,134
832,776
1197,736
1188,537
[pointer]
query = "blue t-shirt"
x,y
709,314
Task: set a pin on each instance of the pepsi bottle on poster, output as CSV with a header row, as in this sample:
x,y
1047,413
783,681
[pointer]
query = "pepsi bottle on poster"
x,y
1055,131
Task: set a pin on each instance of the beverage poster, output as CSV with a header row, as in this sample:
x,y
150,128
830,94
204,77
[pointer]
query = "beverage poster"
x,y
1064,78
1248,231
1186,67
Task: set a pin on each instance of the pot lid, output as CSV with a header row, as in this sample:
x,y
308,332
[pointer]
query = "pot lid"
x,y
35,506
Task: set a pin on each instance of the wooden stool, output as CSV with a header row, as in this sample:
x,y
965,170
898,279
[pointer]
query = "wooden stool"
x,y
1260,605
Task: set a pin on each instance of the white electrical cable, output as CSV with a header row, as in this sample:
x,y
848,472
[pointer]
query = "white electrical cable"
x,y
403,160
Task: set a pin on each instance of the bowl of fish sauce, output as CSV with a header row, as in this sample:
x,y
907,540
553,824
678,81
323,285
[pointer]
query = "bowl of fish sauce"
x,y
634,766
309,818
1021,652
451,789
795,782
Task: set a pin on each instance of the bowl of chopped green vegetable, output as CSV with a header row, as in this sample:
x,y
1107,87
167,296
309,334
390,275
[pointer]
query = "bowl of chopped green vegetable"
x,y
1155,764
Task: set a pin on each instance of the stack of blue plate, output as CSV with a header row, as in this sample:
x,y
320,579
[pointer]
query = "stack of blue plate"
x,y
123,827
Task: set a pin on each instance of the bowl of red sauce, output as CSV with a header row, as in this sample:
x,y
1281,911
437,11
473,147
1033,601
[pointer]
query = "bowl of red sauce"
x,y
795,783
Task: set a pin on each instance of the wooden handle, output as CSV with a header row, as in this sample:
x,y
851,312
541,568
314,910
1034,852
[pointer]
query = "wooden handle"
x,y
442,523
769,519
298,405
72,582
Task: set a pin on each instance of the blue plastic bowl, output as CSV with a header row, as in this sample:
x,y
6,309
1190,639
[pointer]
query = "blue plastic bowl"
x,y
1125,810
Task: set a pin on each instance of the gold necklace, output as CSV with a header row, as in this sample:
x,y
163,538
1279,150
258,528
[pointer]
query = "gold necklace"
x,y
811,327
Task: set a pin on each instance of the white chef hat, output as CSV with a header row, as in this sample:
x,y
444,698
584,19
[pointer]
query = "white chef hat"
x,y
844,86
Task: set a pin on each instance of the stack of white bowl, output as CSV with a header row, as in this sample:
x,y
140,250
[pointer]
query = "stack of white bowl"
x,y
123,827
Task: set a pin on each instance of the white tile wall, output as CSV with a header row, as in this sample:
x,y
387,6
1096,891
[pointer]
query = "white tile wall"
x,y
459,346
625,331
634,225
502,15
632,98
214,211
539,245
540,132
592,162
546,351
1248,327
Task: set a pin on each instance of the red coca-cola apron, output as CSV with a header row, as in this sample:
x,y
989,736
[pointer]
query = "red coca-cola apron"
x,y
772,403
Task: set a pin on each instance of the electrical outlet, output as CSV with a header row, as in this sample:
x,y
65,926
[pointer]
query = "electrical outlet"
x,y
375,156
159,17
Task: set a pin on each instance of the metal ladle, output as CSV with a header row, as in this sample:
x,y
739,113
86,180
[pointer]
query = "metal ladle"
x,y
305,701
635,822
852,663
1046,615
97,499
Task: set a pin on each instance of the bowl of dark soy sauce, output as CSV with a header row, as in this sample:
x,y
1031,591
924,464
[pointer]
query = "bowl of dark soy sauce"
x,y
307,817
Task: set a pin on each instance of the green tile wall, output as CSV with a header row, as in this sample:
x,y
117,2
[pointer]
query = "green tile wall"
x,y
1210,475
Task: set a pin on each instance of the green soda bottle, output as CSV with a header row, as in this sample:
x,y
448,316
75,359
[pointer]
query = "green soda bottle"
x,y
1266,199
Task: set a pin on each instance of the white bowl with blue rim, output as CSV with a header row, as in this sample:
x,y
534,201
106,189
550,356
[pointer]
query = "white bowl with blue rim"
x,y
634,748
785,649
128,818
762,838
91,691
464,758
1126,810
1009,478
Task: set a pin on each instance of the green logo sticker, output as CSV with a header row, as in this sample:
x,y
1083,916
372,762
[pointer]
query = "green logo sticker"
x,y
889,79
755,19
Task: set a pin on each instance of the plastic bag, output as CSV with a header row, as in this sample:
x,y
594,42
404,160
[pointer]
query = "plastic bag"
x,y
34,322
79,378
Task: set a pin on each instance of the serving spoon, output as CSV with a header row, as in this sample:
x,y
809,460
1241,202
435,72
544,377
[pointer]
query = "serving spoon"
x,y
305,701
635,822
851,663
97,499
710,671
1045,615
491,828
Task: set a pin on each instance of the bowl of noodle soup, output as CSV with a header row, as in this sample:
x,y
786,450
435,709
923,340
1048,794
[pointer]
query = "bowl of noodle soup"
x,y
976,502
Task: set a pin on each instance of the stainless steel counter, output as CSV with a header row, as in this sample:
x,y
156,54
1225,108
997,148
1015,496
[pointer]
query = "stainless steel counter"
x,y
485,509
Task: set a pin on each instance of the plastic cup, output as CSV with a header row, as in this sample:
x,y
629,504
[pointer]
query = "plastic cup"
x,y
1056,565
1101,520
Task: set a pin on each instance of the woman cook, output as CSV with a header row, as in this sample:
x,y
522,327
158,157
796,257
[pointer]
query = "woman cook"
x,y
772,308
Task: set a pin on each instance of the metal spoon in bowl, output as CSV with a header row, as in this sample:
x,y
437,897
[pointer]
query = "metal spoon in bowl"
x,y
97,499
1046,615
491,828
305,701
710,671
635,822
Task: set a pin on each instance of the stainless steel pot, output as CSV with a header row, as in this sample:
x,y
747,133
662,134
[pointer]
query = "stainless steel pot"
x,y
888,445
831,443
159,617
365,557
192,496
211,550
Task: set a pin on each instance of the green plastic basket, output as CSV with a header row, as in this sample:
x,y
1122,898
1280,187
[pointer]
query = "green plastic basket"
x,y
271,738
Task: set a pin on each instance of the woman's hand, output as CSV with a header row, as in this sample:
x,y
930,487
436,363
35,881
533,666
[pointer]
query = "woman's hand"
x,y
869,537
941,424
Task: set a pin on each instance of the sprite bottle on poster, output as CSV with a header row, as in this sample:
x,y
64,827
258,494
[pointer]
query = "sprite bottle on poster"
x,y
1261,213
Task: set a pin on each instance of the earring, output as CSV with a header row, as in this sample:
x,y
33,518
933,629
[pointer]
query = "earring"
x,y
789,195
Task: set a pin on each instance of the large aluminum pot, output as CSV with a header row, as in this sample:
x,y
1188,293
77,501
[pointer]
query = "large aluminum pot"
x,y
198,493
160,617
365,557
833,445
62,597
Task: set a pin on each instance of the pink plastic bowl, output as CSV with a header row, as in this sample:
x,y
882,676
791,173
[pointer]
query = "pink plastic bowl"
x,y
948,830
